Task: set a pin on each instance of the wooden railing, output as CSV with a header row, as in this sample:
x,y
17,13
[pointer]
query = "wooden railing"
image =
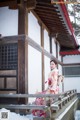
x,y
59,100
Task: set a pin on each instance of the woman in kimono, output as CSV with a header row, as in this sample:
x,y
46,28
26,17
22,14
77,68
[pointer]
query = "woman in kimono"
x,y
52,88
52,78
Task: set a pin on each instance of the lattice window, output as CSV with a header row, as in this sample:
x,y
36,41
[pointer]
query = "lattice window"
x,y
8,56
71,71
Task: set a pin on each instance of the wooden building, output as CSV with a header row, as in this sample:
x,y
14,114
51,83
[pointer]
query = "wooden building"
x,y
32,33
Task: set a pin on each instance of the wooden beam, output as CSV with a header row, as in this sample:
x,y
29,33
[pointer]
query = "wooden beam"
x,y
55,27
12,39
50,9
31,4
52,20
71,64
57,24
44,3
46,7
47,11
50,17
23,51
8,3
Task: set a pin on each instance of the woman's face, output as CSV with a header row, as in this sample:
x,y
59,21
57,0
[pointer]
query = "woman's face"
x,y
52,65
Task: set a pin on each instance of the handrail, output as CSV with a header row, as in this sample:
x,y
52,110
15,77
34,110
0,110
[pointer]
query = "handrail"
x,y
59,101
23,106
11,95
28,95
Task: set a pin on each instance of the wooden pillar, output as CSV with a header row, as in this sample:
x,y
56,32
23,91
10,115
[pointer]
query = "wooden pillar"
x,y
22,51
42,44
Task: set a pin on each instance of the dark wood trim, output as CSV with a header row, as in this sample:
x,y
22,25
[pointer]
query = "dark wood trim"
x,y
50,44
44,3
62,74
22,51
57,52
56,49
5,82
63,63
31,4
6,76
12,39
46,7
42,45
12,4
7,89
71,64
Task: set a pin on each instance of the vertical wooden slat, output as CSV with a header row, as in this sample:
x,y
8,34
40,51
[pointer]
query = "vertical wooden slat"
x,y
5,83
22,50
50,44
56,51
62,74
42,44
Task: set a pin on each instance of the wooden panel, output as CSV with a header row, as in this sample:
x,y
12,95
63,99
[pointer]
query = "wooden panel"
x,y
8,80
1,83
11,83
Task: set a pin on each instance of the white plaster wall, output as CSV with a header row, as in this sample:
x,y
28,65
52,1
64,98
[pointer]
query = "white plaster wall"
x,y
46,41
34,71
59,68
72,83
46,69
34,28
8,21
59,57
53,47
60,73
71,59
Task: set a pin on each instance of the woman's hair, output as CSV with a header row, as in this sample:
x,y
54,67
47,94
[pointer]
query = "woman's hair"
x,y
53,61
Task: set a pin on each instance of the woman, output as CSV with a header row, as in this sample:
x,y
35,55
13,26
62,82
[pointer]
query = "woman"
x,y
52,78
52,89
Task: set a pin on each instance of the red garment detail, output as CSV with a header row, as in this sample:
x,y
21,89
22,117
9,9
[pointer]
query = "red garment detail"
x,y
39,113
49,81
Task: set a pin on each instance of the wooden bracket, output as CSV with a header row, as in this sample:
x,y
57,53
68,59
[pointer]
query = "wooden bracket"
x,y
31,4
